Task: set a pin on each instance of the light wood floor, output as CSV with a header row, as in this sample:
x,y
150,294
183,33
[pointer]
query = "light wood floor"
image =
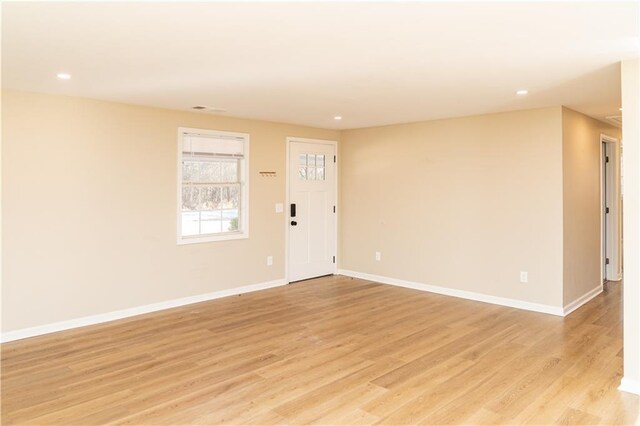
x,y
333,350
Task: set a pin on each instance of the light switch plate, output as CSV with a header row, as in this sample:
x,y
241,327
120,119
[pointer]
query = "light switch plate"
x,y
279,207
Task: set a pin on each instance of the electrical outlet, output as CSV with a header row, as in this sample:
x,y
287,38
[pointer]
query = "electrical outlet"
x,y
524,277
378,256
269,260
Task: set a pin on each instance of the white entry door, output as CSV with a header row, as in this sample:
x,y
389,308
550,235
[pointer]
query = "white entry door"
x,y
312,208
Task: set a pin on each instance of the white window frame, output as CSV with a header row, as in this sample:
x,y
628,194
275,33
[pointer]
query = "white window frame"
x,y
244,197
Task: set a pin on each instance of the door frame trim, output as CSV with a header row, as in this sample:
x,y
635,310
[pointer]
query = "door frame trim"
x,y
614,271
291,139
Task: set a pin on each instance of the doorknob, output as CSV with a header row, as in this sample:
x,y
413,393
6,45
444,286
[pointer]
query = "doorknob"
x,y
294,223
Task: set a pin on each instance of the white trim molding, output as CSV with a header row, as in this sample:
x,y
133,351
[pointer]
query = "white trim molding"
x,y
463,294
629,385
130,312
568,308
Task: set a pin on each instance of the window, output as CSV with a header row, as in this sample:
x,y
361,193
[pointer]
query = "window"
x,y
311,167
212,185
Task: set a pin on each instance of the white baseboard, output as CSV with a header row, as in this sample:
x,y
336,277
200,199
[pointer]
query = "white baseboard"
x,y
479,297
138,310
630,385
582,300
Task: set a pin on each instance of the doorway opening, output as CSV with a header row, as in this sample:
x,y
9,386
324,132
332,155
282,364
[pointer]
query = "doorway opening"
x,y
611,208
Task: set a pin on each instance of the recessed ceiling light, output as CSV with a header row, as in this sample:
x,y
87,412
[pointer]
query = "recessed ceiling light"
x,y
522,92
63,76
337,117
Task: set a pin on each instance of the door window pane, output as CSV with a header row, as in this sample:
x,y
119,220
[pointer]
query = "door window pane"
x,y
312,167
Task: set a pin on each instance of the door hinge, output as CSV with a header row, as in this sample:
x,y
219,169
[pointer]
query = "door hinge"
x,y
606,210
334,158
334,259
334,209
606,261
607,159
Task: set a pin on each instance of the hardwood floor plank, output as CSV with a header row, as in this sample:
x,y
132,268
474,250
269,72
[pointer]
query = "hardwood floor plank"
x,y
577,417
336,388
412,389
433,399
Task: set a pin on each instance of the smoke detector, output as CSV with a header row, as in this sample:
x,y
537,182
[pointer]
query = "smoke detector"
x,y
208,108
616,120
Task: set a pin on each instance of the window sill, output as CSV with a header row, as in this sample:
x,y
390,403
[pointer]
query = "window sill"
x,y
212,238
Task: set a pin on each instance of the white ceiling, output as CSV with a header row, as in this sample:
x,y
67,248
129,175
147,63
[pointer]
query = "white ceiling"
x,y
372,63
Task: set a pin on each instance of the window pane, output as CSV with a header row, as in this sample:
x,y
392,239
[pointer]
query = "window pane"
x,y
186,196
230,220
230,197
312,160
320,160
216,198
209,171
230,171
196,199
217,172
206,195
210,197
190,225
311,173
189,171
303,159
302,172
234,196
230,204
320,173
190,198
211,222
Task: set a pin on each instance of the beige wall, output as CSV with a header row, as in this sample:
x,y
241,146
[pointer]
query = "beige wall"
x,y
89,209
582,220
89,197
463,203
